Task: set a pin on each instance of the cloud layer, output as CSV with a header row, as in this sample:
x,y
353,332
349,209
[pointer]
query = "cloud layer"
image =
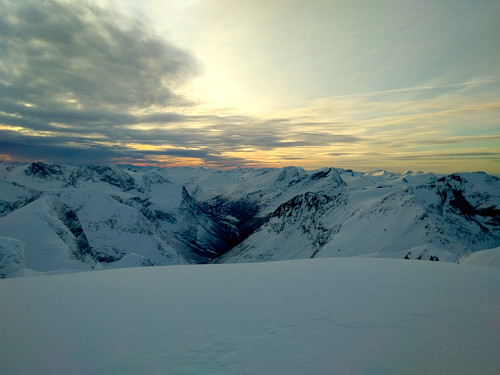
x,y
82,82
75,55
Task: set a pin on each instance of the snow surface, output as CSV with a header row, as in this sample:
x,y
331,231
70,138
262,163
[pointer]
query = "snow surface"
x,y
487,258
317,316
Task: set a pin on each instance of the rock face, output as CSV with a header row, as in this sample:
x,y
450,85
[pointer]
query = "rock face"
x,y
104,216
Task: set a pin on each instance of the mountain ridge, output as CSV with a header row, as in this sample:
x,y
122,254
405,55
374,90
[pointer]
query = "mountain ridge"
x,y
106,216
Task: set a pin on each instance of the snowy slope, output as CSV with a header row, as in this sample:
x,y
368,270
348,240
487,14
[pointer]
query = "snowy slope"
x,y
328,316
48,243
114,230
487,258
14,196
382,216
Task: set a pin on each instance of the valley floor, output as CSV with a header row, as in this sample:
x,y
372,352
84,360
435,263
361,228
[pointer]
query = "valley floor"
x,y
321,316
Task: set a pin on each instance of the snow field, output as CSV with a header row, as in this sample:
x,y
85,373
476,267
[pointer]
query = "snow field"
x,y
319,316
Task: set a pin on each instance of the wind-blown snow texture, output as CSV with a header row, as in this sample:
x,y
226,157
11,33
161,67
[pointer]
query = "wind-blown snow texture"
x,y
317,316
100,216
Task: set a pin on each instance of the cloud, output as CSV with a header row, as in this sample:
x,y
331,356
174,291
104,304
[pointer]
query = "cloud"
x,y
76,56
75,76
82,82
422,88
229,133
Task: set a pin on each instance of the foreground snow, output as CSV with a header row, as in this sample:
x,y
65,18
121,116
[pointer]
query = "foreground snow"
x,y
320,316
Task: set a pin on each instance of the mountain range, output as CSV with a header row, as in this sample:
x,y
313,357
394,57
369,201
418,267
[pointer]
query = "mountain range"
x,y
58,218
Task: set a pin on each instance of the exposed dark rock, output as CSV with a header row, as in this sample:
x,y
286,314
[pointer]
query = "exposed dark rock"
x,y
42,170
104,173
85,251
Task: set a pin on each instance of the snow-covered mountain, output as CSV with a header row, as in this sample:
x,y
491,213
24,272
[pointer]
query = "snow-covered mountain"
x,y
103,216
442,219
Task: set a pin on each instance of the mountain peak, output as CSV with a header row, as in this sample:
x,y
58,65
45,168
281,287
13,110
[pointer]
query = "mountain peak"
x,y
42,170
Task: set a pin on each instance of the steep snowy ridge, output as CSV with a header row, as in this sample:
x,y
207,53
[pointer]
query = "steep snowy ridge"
x,y
291,232
462,208
106,216
14,196
431,221
111,175
115,230
48,243
206,238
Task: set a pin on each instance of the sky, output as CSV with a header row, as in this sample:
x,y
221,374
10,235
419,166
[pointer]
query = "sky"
x,y
394,85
